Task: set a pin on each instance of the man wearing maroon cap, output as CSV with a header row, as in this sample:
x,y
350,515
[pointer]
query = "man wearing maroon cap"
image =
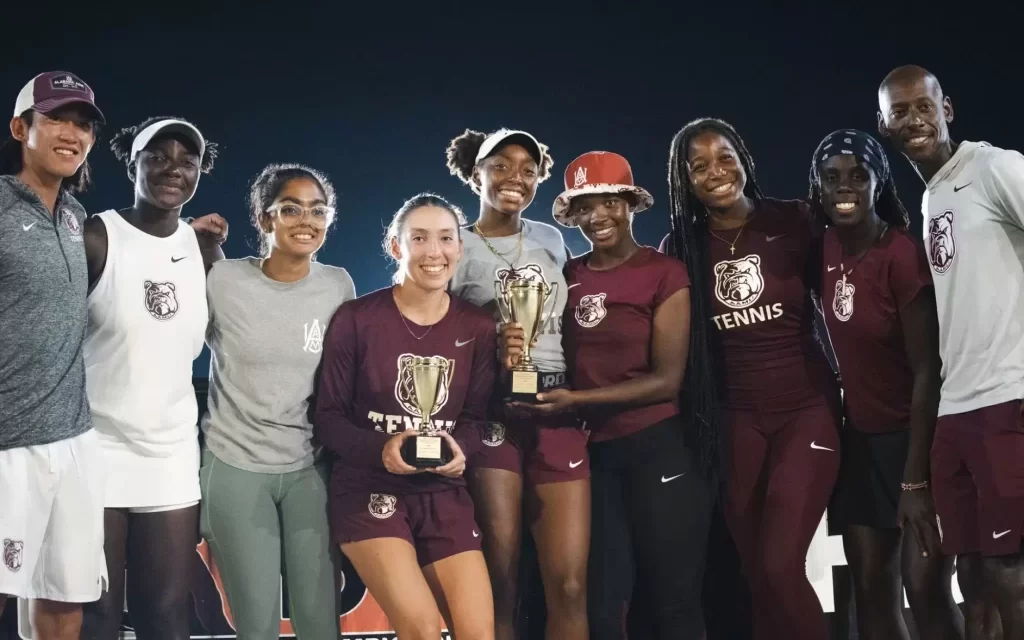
x,y
51,522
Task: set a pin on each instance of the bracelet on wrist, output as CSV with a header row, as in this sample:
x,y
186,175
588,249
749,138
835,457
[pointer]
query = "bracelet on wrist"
x,y
914,486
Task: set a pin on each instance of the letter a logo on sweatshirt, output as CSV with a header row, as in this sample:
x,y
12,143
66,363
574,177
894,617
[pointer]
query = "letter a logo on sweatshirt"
x,y
314,336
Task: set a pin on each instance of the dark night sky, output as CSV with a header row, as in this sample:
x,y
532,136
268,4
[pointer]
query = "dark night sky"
x,y
373,99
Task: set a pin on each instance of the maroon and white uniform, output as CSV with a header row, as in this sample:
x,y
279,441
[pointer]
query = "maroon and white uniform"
x,y
366,396
781,403
862,301
608,325
861,304
974,233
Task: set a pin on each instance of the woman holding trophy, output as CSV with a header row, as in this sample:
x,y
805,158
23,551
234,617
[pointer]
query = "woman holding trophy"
x,y
627,360
510,257
406,377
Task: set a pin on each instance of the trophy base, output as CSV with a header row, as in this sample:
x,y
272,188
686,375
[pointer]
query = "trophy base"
x,y
522,386
426,452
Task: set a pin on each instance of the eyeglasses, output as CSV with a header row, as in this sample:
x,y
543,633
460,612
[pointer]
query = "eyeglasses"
x,y
291,214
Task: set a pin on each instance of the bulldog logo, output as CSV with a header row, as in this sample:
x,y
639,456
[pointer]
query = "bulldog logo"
x,y
160,300
941,244
738,283
590,311
405,393
494,435
382,505
12,553
842,303
529,272
71,222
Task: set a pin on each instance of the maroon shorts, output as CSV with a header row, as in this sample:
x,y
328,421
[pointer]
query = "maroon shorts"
x,y
552,450
438,524
978,480
552,454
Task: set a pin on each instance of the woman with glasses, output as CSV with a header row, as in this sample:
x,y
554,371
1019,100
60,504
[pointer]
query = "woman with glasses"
x,y
264,482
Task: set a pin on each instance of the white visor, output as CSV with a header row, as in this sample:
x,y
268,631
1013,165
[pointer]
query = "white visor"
x,y
495,139
144,137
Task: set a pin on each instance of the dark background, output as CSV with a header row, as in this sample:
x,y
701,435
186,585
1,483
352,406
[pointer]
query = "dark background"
x,y
371,94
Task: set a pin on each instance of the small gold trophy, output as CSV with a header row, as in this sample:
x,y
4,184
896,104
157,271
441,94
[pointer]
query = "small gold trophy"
x,y
523,301
426,449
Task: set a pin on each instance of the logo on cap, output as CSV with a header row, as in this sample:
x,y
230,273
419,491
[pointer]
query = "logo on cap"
x,y
581,177
68,82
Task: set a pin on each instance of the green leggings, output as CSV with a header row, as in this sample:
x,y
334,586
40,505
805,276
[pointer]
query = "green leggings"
x,y
261,526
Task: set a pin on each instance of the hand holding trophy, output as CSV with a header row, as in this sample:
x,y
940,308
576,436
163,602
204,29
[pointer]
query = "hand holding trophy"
x,y
427,449
523,301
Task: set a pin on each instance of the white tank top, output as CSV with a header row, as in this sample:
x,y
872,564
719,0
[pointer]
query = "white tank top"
x,y
147,323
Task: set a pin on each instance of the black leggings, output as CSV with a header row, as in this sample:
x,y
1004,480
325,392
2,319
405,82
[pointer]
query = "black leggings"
x,y
651,510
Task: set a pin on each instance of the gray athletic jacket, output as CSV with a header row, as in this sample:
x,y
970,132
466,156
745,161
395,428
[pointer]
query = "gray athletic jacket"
x,y
43,284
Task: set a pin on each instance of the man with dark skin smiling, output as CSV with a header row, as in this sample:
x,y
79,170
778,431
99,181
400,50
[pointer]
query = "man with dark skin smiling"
x,y
973,210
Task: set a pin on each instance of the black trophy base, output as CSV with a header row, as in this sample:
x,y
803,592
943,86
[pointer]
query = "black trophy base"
x,y
426,452
522,386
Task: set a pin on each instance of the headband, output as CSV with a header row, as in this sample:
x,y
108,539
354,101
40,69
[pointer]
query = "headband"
x,y
850,142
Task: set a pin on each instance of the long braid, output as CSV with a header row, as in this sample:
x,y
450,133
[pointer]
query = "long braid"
x,y
688,241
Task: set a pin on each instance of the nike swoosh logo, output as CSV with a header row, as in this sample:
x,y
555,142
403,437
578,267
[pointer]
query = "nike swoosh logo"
x,y
831,269
575,284
815,446
773,238
956,188
460,343
173,259
664,479
573,465
26,227
996,536
476,535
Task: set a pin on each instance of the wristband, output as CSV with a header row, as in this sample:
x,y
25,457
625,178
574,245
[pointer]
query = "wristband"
x,y
914,486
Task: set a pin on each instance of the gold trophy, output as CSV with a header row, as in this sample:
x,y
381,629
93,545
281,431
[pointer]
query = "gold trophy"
x,y
426,449
523,301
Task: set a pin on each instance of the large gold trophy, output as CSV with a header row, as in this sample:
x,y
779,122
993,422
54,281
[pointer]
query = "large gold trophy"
x,y
426,449
523,301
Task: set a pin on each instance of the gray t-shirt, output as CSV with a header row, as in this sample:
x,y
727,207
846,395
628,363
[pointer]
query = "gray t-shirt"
x,y
43,284
542,258
265,339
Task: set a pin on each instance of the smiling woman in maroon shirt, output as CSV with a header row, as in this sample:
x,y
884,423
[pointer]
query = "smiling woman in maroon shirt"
x,y
758,258
627,359
410,533
879,307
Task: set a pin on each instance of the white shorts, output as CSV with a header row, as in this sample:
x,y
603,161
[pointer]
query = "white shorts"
x,y
146,484
51,521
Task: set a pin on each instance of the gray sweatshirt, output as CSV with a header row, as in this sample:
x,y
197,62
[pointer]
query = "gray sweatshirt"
x,y
43,283
266,339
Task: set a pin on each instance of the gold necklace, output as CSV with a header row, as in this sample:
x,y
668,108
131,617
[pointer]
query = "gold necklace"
x,y
501,256
732,245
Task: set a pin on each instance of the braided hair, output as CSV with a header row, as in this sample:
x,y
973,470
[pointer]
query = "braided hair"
x,y
688,242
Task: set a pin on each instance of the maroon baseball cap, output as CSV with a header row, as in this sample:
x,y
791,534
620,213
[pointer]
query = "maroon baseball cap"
x,y
54,89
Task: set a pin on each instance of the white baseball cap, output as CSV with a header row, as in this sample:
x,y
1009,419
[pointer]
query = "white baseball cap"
x,y
144,137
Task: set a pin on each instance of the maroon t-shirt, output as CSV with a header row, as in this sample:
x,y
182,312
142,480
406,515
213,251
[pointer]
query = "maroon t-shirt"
x,y
607,327
862,303
365,393
762,308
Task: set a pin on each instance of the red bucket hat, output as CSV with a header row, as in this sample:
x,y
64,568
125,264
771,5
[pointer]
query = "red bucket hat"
x,y
597,172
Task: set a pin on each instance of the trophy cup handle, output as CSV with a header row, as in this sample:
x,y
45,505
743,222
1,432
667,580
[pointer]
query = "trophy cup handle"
x,y
501,299
552,295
